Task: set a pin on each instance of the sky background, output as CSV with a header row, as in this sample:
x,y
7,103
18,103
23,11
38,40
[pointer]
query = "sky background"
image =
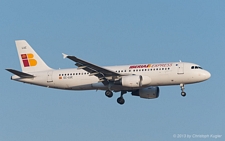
x,y
113,33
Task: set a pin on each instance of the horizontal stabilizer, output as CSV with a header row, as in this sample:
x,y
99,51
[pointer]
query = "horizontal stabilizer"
x,y
20,74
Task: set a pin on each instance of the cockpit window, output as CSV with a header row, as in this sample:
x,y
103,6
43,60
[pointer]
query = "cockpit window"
x,y
196,67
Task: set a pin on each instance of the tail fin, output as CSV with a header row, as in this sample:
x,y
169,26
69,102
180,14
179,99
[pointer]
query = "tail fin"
x,y
29,59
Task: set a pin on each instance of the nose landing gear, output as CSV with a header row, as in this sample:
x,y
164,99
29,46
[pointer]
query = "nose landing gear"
x,y
182,90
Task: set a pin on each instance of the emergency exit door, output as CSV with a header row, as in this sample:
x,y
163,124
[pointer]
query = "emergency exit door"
x,y
180,68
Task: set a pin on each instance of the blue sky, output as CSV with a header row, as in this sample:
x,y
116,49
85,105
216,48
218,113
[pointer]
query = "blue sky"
x,y
113,33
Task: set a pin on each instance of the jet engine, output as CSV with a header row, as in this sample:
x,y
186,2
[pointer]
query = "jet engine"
x,y
148,93
134,81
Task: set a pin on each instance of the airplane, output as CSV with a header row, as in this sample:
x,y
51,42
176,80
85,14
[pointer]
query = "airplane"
x,y
141,80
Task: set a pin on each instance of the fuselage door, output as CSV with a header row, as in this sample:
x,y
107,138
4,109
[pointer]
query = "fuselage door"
x,y
180,68
49,76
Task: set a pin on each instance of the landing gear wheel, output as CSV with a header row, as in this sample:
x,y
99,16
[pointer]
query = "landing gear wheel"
x,y
182,90
121,100
109,93
183,94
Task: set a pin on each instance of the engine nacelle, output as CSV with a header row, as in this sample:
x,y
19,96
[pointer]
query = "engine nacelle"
x,y
148,93
134,81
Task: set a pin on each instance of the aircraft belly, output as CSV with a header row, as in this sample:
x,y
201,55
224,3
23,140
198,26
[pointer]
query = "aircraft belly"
x,y
160,79
84,84
81,84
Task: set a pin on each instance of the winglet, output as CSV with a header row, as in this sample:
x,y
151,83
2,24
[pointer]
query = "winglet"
x,y
64,55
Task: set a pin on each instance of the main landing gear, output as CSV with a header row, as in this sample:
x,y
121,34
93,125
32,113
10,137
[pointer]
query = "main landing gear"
x,y
109,93
120,99
182,90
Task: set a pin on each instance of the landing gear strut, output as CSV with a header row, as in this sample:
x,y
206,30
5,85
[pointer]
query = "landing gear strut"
x,y
109,93
182,90
120,99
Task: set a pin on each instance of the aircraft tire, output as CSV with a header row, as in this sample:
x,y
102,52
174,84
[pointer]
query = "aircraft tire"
x,y
121,100
183,94
109,93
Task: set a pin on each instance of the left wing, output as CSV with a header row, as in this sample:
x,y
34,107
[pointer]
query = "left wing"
x,y
103,74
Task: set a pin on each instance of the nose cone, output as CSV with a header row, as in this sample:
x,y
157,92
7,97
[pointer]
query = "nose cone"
x,y
207,75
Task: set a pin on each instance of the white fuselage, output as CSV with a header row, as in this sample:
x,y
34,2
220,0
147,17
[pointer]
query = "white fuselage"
x,y
161,74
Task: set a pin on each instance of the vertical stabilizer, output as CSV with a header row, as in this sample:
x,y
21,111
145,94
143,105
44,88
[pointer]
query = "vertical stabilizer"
x,y
30,61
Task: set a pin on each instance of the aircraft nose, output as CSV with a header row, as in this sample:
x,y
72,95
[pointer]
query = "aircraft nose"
x,y
207,75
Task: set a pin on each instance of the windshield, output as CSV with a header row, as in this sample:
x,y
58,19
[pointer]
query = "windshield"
x,y
196,67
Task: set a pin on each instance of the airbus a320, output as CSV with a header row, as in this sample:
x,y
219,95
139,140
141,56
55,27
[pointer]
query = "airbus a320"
x,y
141,80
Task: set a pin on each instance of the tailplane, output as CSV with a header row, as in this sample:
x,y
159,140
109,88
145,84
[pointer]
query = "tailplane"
x,y
30,61
20,74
